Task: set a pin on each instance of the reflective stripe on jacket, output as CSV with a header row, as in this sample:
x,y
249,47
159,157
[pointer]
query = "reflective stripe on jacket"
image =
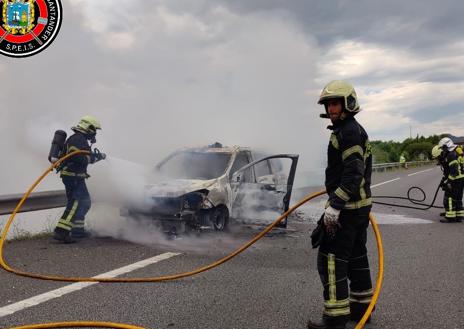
x,y
454,163
349,166
76,166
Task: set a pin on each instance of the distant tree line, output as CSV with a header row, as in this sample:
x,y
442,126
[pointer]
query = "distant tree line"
x,y
413,149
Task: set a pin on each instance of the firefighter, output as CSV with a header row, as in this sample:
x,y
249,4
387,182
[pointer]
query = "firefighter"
x,y
342,255
453,181
403,163
437,154
73,174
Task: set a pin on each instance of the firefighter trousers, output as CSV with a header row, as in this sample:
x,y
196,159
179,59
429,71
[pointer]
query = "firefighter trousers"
x,y
343,258
77,206
452,200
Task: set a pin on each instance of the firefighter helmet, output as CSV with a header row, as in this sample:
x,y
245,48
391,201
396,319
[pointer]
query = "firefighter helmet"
x,y
341,89
436,152
459,150
447,143
88,125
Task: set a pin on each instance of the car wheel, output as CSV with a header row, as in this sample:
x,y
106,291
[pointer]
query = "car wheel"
x,y
220,218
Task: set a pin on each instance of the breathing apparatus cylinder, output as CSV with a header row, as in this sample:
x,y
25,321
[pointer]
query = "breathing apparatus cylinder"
x,y
57,147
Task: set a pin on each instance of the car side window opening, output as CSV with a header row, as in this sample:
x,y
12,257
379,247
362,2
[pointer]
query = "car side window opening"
x,y
264,173
241,160
280,170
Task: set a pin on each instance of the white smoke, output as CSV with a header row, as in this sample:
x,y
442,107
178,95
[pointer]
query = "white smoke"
x,y
118,182
105,221
200,75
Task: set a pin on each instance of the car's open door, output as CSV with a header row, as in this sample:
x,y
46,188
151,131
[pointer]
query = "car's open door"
x,y
261,190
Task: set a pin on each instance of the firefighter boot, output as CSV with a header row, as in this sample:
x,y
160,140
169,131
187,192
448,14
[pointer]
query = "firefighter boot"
x,y
78,230
329,322
459,214
80,233
62,235
357,311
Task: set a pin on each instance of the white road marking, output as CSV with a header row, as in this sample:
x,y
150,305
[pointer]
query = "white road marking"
x,y
419,172
383,183
42,298
383,219
313,211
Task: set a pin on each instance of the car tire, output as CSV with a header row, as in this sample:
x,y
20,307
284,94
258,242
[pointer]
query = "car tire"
x,y
220,218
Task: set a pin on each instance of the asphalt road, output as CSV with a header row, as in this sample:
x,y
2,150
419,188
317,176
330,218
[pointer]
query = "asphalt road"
x,y
274,284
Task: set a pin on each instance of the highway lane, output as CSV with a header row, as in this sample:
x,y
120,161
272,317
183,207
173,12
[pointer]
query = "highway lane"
x,y
272,285
426,178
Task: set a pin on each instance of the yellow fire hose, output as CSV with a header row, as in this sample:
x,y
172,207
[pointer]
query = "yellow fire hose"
x,y
6,267
78,324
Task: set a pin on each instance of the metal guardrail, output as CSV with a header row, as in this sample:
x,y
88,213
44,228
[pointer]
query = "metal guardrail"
x,y
36,201
398,165
57,198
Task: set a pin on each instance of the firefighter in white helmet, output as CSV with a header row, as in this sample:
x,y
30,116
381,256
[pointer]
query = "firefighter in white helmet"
x,y
453,180
342,259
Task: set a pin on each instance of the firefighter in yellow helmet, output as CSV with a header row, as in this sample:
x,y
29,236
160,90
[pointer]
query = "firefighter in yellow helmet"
x,y
403,162
73,174
453,180
436,153
342,259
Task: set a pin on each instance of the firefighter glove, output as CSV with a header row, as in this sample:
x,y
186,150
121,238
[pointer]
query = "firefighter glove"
x,y
443,181
317,234
445,185
331,220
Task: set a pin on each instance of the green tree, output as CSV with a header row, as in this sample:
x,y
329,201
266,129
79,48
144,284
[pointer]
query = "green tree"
x,y
413,149
418,150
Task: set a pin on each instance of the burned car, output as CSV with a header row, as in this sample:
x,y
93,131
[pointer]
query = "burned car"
x,y
202,188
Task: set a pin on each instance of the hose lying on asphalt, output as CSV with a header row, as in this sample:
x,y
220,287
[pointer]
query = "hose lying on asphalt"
x,y
77,324
6,267
418,202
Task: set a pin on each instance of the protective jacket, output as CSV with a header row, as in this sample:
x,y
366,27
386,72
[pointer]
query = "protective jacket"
x,y
460,154
444,167
76,166
454,164
349,166
343,256
453,177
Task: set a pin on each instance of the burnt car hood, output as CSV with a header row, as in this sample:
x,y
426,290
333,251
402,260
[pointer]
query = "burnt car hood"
x,y
177,187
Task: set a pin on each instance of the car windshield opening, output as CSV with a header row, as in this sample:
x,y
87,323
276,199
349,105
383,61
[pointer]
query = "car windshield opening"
x,y
195,165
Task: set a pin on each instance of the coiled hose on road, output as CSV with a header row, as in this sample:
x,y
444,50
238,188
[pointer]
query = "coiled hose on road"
x,y
418,202
6,267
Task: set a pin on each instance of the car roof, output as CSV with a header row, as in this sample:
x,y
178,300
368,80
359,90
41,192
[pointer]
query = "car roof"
x,y
208,149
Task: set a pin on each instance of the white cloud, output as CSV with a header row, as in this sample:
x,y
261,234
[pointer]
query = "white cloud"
x,y
102,14
393,85
162,74
350,59
405,103
177,79
392,82
119,40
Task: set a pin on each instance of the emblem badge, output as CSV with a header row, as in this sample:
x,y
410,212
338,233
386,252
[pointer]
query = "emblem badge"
x,y
28,26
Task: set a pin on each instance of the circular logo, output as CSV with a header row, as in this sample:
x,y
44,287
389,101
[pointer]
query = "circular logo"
x,y
28,26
